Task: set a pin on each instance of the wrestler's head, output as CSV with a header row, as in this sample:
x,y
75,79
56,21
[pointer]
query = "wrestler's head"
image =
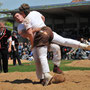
x,y
18,17
24,9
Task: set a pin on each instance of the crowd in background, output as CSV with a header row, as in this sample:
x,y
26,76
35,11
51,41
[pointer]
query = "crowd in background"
x,y
24,51
72,53
82,34
67,53
74,33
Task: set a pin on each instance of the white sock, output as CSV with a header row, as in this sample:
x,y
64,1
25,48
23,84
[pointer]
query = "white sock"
x,y
47,75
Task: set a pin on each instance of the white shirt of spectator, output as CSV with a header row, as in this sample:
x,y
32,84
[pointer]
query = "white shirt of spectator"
x,y
10,39
13,43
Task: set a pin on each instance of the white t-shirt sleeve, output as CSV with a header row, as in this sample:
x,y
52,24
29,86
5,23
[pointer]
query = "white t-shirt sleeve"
x,y
27,23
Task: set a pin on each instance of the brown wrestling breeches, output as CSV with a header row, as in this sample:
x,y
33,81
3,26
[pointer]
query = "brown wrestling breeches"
x,y
43,37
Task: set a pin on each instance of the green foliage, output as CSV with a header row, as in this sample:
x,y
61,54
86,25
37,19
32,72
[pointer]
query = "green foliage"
x,y
9,25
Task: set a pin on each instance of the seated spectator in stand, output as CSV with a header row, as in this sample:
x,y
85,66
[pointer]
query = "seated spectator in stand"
x,y
20,49
26,45
88,52
26,50
71,54
31,58
25,56
82,40
29,46
81,54
30,53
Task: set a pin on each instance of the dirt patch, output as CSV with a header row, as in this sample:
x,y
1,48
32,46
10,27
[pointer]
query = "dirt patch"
x,y
80,63
75,80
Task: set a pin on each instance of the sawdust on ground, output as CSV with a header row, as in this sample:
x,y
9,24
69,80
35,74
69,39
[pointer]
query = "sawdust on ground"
x,y
80,63
75,80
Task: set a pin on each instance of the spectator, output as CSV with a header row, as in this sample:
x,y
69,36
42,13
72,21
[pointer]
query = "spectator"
x,y
88,51
15,49
20,50
5,35
26,48
25,56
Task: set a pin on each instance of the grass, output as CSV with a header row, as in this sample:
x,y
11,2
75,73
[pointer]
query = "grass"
x,y
28,67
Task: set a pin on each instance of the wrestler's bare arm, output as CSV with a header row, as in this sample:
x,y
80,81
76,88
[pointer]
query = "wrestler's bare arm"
x,y
28,34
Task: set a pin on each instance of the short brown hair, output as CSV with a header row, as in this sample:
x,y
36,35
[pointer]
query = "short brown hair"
x,y
25,8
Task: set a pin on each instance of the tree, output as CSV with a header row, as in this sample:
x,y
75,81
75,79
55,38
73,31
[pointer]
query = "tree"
x,y
9,25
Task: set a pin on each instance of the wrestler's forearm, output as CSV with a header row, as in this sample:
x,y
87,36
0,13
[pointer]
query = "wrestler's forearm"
x,y
30,36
